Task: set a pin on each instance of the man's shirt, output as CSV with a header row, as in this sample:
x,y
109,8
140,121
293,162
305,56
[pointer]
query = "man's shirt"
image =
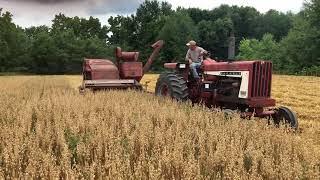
x,y
196,55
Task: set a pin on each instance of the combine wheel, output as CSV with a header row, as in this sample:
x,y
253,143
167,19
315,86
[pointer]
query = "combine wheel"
x,y
172,85
81,90
286,116
137,88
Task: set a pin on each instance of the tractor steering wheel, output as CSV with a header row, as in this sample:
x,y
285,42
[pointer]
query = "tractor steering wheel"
x,y
206,55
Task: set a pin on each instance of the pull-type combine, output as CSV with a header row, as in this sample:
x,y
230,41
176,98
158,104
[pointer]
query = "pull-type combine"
x,y
126,73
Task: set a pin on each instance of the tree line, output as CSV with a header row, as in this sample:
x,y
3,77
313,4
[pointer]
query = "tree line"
x,y
290,40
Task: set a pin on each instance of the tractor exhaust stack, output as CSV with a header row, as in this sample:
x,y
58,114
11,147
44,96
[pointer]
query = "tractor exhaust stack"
x,y
232,47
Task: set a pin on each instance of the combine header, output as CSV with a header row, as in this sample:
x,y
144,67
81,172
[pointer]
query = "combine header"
x,y
126,73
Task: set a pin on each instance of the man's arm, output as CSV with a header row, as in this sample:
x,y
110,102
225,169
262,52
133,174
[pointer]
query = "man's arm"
x,y
188,57
202,51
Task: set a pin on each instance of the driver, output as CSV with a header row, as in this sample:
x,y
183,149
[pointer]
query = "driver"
x,y
195,57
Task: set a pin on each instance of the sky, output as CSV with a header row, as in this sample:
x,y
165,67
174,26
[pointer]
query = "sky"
x,y
28,13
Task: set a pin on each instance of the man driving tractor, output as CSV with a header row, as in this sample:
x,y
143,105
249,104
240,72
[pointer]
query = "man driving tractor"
x,y
194,57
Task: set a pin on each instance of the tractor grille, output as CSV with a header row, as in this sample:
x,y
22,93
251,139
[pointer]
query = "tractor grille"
x,y
261,79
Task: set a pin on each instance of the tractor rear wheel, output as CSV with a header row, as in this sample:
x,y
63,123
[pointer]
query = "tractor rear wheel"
x,y
172,85
285,116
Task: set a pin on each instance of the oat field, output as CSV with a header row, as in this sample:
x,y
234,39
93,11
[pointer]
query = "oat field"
x,y
49,131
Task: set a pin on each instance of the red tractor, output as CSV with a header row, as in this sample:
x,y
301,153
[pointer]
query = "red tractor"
x,y
243,86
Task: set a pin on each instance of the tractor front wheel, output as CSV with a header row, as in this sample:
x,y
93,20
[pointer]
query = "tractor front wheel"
x,y
172,85
286,116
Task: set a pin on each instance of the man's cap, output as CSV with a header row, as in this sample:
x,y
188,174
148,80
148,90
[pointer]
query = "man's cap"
x,y
191,43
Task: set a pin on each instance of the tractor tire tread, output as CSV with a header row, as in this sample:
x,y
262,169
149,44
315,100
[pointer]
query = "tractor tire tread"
x,y
176,84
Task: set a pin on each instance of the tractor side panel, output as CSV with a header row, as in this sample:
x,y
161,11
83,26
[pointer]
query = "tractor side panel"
x,y
259,81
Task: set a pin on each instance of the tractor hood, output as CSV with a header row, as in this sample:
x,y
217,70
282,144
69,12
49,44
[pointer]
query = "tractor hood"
x,y
209,65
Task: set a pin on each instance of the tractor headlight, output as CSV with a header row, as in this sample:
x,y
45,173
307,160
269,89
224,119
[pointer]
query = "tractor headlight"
x,y
182,66
243,93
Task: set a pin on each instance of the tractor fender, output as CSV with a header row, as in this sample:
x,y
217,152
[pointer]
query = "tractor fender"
x,y
170,65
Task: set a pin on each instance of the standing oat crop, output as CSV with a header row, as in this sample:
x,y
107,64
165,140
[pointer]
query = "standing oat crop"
x,y
49,131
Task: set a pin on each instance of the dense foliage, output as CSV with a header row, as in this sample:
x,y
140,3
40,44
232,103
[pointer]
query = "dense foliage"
x,y
290,40
298,52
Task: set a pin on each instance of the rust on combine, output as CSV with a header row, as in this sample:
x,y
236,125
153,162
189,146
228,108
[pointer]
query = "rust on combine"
x,y
125,73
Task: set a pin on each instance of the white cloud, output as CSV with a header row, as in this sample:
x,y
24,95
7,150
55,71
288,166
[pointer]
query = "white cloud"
x,y
115,6
32,13
260,5
28,14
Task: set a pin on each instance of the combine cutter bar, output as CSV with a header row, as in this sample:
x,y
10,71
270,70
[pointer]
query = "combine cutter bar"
x,y
122,83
